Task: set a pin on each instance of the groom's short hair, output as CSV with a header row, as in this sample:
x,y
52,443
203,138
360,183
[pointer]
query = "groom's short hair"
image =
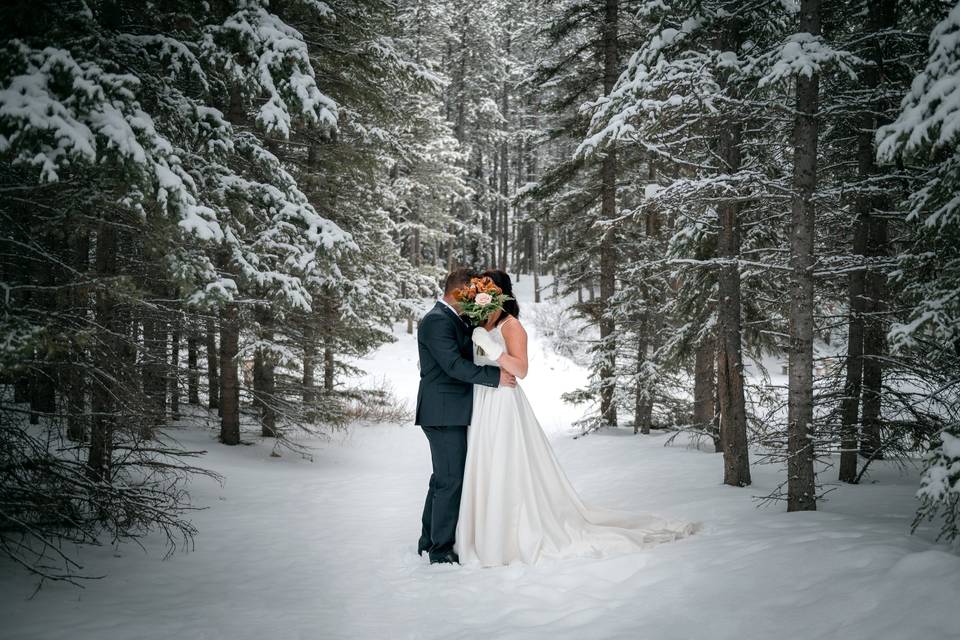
x,y
456,279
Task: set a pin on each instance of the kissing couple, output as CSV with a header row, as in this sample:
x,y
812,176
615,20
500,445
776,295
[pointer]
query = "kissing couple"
x,y
497,494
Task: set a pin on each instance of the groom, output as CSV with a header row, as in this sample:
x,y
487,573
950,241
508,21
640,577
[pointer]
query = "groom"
x,y
444,409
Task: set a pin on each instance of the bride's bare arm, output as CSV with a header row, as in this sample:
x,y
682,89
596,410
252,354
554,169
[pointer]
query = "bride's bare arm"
x,y
514,358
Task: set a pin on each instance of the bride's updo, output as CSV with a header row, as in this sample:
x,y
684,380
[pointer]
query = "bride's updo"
x,y
502,280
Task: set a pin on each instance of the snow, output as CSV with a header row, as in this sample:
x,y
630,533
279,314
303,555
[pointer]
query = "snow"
x,y
31,104
280,66
930,112
293,548
802,54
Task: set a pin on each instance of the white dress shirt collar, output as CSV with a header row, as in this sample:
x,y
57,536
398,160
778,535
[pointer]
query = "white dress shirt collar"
x,y
448,306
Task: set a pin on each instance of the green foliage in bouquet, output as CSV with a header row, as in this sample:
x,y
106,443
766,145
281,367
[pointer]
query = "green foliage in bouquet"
x,y
480,299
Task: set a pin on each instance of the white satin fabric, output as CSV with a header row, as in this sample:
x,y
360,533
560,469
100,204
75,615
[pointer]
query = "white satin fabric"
x,y
517,503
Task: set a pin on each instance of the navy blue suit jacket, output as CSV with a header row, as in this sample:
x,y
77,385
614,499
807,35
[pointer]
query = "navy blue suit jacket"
x,y
447,372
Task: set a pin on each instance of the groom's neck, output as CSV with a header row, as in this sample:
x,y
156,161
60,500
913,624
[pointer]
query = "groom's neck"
x,y
451,300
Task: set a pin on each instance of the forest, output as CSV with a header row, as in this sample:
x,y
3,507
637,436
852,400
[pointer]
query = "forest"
x,y
211,210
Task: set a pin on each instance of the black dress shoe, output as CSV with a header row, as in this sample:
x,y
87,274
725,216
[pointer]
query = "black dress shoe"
x,y
446,557
423,546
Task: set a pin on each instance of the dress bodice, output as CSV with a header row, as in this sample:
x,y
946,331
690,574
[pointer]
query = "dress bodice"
x,y
482,360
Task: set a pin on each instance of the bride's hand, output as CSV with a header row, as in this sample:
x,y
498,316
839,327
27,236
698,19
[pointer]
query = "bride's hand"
x,y
481,338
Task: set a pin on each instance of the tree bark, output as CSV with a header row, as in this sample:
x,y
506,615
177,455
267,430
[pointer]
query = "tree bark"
x,y
881,15
608,211
103,393
309,365
704,392
173,377
153,372
328,369
874,345
44,377
494,213
850,404
229,383
643,407
193,373
213,377
531,166
21,389
801,482
264,386
416,260
76,392
733,414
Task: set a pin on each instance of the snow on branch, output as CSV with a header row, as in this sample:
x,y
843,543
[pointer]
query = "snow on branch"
x,y
801,54
56,111
930,112
176,56
262,51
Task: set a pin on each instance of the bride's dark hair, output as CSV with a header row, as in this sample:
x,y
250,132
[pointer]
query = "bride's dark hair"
x,y
502,280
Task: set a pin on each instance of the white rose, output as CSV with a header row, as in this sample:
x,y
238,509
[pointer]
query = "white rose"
x,y
483,299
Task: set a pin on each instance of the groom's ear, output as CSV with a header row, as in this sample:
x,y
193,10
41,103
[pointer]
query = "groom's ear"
x,y
456,279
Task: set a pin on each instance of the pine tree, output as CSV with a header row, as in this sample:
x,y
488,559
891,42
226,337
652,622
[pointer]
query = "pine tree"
x,y
927,131
121,115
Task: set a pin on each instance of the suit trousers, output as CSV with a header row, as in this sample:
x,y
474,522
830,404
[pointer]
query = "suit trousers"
x,y
448,452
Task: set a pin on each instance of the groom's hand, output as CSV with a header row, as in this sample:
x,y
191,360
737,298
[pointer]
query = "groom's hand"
x,y
507,379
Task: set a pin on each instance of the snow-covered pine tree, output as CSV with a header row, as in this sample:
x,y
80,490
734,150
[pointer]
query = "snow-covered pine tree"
x,y
389,177
584,46
926,133
115,132
861,399
683,101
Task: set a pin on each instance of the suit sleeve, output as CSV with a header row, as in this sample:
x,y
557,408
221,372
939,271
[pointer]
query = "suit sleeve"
x,y
441,340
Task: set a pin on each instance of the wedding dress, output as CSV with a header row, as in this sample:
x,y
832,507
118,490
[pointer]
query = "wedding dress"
x,y
518,505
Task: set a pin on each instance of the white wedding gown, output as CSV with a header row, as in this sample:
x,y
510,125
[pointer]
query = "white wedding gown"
x,y
517,503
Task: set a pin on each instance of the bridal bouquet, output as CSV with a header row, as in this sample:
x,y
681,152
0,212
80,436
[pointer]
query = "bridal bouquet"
x,y
480,299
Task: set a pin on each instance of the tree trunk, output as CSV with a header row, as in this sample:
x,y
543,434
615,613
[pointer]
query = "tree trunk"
x,y
103,393
264,387
153,372
33,394
503,265
494,213
309,365
249,377
76,392
416,259
531,165
269,406
193,373
850,404
328,369
21,389
229,383
705,392
733,414
213,378
516,248
881,15
535,260
874,345
608,211
173,378
801,487
642,405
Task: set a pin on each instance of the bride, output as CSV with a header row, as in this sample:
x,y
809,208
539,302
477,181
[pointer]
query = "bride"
x,y
517,503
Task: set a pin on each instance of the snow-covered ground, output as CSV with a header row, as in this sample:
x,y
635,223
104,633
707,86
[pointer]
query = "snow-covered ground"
x,y
292,548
